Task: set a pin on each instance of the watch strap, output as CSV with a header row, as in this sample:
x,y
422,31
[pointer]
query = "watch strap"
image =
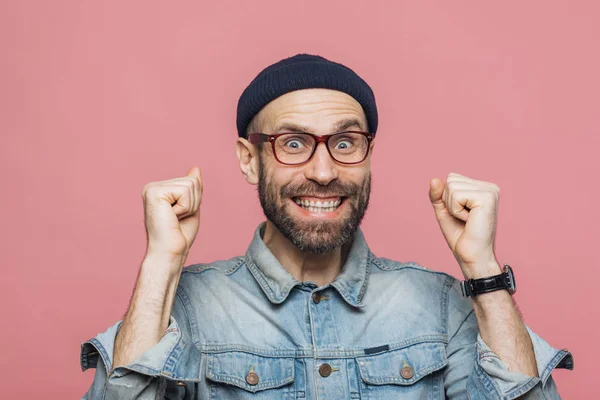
x,y
473,287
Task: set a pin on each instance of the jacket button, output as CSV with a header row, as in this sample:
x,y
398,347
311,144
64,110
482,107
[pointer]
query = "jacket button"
x,y
252,378
179,383
325,370
406,372
316,297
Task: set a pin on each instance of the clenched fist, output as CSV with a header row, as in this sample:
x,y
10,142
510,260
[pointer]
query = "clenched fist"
x,y
467,211
172,214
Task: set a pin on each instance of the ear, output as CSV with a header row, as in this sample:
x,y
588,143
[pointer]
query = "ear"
x,y
248,157
372,144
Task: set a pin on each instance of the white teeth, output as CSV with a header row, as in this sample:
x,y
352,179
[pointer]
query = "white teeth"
x,y
318,206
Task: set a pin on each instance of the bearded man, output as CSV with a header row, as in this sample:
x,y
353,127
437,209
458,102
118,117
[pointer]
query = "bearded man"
x,y
309,311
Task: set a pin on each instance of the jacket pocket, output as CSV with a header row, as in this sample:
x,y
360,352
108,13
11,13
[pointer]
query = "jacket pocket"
x,y
241,375
413,371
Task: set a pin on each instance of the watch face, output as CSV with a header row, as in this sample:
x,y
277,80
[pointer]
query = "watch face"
x,y
510,277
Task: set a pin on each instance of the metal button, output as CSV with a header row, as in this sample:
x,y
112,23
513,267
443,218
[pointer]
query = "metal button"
x,y
406,372
316,297
180,383
325,370
252,378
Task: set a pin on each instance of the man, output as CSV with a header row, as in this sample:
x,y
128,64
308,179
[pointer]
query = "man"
x,y
309,311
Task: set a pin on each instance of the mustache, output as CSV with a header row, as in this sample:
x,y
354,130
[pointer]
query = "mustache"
x,y
310,188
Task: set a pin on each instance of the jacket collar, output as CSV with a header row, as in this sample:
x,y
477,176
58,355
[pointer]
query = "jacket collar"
x,y
277,283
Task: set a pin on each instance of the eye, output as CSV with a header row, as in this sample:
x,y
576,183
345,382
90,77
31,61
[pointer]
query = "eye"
x,y
294,144
343,144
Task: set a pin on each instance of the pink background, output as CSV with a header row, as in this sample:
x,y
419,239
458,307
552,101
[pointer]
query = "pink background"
x,y
98,98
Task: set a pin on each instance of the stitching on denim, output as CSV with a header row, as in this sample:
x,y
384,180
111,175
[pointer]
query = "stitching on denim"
x,y
335,326
485,379
199,268
398,265
418,374
264,383
258,275
238,382
525,387
363,288
445,301
105,357
174,348
552,364
342,291
187,307
210,348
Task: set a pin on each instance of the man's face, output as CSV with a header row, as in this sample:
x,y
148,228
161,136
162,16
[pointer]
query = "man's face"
x,y
317,205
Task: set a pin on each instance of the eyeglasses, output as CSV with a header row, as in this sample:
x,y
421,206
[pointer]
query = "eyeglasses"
x,y
348,147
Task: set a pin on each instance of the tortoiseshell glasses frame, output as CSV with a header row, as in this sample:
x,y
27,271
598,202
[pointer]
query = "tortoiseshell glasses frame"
x,y
364,139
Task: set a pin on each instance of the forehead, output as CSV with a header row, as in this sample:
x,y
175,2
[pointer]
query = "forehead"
x,y
314,111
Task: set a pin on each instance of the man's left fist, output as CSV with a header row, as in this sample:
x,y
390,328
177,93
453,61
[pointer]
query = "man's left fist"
x,y
467,211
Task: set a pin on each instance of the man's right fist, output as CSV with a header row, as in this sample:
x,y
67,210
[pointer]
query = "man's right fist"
x,y
172,214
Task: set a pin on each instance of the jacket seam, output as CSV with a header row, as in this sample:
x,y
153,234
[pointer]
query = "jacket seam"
x,y
191,321
309,353
407,265
445,301
200,268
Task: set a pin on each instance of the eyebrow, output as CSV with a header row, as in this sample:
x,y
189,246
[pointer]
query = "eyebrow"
x,y
337,127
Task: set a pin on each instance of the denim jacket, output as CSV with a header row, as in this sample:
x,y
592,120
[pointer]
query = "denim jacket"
x,y
244,328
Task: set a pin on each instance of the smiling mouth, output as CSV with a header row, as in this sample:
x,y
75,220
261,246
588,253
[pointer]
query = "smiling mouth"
x,y
319,205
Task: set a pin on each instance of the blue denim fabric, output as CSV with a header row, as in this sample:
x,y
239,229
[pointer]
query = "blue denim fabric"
x,y
387,329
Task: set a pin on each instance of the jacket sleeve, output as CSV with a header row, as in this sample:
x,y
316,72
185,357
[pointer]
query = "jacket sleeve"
x,y
475,372
150,375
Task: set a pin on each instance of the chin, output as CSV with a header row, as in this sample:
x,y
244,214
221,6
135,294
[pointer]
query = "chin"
x,y
317,237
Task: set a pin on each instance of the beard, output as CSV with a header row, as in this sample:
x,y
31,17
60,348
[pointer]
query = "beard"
x,y
318,236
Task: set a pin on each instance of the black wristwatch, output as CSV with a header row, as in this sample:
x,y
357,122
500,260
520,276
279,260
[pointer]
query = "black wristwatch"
x,y
506,280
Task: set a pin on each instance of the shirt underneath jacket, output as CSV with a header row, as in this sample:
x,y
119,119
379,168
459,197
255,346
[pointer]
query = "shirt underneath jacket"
x,y
244,328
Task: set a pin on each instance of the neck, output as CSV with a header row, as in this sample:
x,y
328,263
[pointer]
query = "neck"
x,y
304,267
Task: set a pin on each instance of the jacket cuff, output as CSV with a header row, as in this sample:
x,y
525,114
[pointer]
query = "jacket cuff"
x,y
511,384
158,360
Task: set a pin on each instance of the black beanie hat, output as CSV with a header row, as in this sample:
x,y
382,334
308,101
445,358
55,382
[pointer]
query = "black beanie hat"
x,y
303,71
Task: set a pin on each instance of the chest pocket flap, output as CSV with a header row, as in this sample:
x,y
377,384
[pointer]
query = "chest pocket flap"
x,y
403,366
248,371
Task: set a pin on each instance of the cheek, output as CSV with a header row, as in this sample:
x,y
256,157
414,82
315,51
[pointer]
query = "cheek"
x,y
276,178
356,175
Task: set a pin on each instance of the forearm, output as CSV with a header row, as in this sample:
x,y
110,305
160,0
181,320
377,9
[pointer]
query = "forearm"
x,y
148,315
502,329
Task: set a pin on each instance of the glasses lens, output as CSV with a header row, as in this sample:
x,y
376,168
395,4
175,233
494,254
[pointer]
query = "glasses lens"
x,y
294,148
348,147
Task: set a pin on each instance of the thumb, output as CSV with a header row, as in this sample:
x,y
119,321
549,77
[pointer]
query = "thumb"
x,y
194,171
436,190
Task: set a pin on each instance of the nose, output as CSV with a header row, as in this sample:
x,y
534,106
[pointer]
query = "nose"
x,y
321,168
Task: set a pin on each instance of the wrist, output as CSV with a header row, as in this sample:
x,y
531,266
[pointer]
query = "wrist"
x,y
480,269
160,263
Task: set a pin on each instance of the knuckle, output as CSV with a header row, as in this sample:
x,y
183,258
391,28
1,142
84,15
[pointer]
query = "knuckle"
x,y
146,189
491,196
